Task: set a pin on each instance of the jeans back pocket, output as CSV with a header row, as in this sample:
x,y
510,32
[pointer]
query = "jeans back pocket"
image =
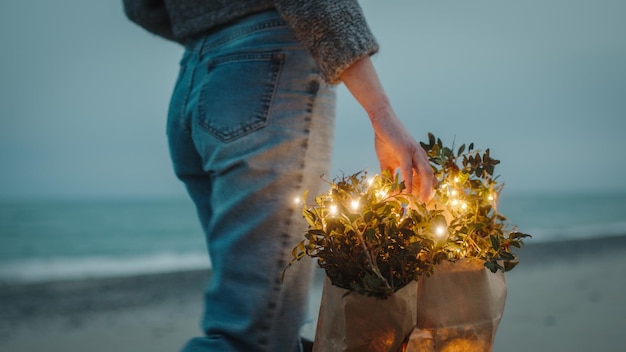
x,y
237,92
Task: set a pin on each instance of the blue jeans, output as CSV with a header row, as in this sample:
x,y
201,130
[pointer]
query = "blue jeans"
x,y
250,128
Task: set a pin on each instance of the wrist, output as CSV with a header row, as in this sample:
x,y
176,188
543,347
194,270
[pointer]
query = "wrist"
x,y
380,113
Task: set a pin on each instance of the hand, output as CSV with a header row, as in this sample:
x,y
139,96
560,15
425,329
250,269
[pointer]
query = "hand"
x,y
396,148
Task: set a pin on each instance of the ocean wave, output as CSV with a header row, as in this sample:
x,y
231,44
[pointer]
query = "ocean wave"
x,y
553,234
66,268
35,270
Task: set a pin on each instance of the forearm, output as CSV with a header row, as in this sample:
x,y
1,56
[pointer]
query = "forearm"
x,y
363,82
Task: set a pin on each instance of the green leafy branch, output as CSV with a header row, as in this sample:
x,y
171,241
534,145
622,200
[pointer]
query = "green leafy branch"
x,y
372,238
468,192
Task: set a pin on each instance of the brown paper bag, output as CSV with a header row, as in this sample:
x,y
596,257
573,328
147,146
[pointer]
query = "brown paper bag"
x,y
458,308
357,323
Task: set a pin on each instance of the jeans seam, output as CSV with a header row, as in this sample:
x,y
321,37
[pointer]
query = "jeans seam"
x,y
312,90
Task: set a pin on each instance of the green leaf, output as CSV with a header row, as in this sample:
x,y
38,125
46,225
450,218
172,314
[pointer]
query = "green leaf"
x,y
317,232
493,266
298,251
518,235
495,243
508,256
402,199
353,217
368,216
508,266
431,139
310,217
461,150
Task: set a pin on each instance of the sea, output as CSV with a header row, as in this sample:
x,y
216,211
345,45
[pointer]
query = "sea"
x,y
52,240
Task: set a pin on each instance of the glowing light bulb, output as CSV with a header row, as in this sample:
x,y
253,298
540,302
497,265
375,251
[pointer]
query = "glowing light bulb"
x,y
454,202
439,227
354,205
464,206
490,197
297,200
440,231
456,179
454,192
370,181
333,209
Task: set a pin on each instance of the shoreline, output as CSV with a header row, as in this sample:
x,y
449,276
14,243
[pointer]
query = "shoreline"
x,y
568,248
565,294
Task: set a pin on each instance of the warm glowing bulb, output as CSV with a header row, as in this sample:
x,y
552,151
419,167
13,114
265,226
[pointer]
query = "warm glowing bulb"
x,y
297,200
454,192
354,205
370,181
490,197
464,206
333,209
454,202
440,231
382,194
456,179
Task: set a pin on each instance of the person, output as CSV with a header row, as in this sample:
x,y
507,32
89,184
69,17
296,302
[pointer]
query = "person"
x,y
250,126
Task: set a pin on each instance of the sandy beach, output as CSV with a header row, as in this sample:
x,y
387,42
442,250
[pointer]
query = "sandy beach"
x,y
564,296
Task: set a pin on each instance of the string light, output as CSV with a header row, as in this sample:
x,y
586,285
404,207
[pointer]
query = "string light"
x,y
452,224
440,231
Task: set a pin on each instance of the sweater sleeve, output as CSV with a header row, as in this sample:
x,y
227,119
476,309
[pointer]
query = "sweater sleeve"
x,y
152,15
334,32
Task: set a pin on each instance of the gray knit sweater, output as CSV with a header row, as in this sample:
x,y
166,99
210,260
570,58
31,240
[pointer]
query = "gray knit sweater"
x,y
333,31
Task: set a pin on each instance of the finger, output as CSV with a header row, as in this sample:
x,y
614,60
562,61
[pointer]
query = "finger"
x,y
427,188
384,159
425,180
416,182
428,183
385,166
406,172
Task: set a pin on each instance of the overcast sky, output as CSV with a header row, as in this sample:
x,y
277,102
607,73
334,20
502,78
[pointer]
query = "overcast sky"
x,y
84,93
